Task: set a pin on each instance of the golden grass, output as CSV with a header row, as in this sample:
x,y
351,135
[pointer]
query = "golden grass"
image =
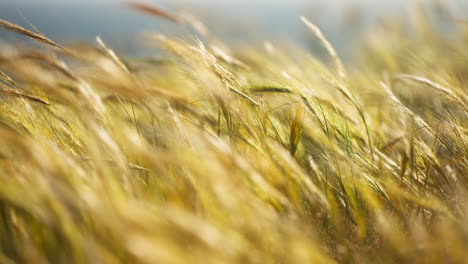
x,y
20,30
206,158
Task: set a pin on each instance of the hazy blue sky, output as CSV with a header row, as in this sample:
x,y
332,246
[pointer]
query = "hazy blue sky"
x,y
230,19
378,2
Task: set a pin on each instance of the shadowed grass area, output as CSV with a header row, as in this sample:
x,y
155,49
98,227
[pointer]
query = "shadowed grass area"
x,y
219,155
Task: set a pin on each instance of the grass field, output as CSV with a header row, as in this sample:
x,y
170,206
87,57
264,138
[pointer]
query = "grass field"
x,y
218,154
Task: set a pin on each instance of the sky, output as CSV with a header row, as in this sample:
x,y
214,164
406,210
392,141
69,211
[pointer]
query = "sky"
x,y
232,20
96,2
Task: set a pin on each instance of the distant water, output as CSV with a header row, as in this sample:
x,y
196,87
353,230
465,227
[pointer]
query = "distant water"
x,y
233,21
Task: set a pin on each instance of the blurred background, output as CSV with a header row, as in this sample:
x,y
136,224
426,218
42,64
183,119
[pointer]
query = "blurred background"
x,y
234,21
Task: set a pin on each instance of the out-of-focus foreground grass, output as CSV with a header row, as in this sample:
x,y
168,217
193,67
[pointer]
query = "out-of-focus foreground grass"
x,y
260,155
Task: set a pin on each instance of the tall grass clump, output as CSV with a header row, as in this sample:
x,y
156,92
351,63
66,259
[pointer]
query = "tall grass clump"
x,y
214,154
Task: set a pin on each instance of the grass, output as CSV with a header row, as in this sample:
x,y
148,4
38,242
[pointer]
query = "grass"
x,y
218,155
